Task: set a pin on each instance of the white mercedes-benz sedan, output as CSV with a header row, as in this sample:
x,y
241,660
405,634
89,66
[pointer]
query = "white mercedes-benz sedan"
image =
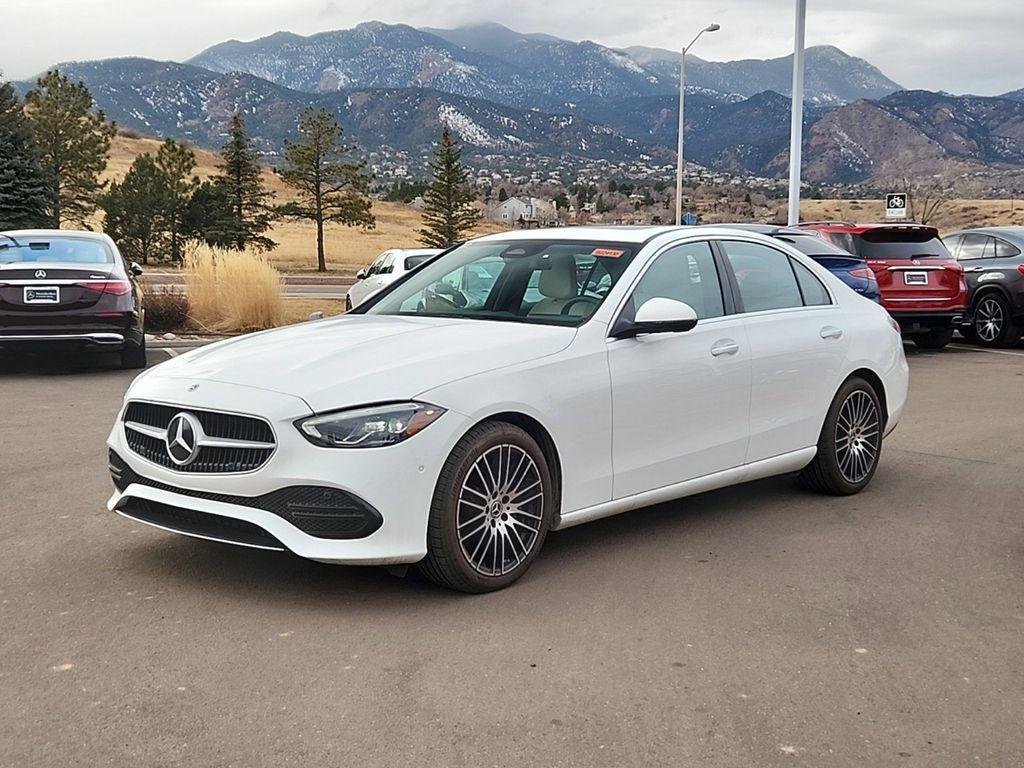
x,y
521,383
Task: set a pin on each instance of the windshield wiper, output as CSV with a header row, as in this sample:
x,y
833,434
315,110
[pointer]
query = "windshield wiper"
x,y
8,237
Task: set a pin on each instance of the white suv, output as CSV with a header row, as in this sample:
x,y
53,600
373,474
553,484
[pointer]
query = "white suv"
x,y
384,270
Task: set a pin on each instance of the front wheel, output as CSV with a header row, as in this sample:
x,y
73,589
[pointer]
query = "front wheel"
x,y
934,339
992,324
850,442
491,510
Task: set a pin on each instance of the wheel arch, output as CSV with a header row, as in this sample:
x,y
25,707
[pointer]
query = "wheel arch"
x,y
877,385
989,288
542,436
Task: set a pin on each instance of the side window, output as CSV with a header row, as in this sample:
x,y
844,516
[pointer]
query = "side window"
x,y
387,265
953,244
685,273
975,246
813,291
764,276
1005,250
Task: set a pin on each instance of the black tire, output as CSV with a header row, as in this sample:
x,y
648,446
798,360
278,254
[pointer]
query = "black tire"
x,y
830,471
933,339
449,562
133,356
992,322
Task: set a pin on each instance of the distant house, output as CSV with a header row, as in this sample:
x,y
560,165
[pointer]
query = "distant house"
x,y
524,212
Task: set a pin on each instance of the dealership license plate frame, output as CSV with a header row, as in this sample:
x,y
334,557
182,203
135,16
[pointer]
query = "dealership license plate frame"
x,y
915,278
42,294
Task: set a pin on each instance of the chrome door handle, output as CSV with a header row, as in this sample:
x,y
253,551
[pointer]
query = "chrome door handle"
x,y
724,347
831,332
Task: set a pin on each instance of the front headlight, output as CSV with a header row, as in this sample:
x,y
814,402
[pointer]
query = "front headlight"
x,y
372,427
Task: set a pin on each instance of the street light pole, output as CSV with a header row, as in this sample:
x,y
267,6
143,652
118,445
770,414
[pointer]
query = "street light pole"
x,y
796,129
679,138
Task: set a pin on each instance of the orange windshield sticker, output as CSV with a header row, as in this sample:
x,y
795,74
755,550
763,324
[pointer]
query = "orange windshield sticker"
x,y
608,253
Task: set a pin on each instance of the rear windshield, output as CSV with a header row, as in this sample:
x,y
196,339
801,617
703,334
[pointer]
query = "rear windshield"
x,y
899,244
63,250
812,245
411,262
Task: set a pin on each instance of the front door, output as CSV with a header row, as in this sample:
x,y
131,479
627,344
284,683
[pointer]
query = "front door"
x,y
680,401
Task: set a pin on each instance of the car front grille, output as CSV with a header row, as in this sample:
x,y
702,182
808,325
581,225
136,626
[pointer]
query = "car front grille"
x,y
209,459
326,513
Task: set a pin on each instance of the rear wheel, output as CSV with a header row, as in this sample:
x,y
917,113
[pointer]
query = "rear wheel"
x,y
992,324
134,355
491,510
850,442
934,339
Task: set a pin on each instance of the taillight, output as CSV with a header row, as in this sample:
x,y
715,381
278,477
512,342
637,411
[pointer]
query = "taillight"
x,y
864,273
894,324
113,287
1020,268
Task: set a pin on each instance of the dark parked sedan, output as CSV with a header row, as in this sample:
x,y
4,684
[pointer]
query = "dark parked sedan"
x,y
61,289
993,262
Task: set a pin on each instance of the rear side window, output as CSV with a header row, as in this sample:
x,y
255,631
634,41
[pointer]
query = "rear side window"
x,y
684,273
900,244
813,291
811,245
1005,250
764,275
411,262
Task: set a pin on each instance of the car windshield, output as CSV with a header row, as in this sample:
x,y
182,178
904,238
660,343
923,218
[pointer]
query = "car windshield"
x,y
812,245
554,282
61,250
900,244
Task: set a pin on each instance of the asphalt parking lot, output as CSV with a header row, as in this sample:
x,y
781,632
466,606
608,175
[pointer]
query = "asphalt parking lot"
x,y
755,626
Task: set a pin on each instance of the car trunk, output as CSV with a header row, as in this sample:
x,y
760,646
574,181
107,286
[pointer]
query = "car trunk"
x,y
42,288
910,263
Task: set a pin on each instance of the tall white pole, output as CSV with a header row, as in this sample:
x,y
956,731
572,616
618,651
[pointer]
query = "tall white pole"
x,y
679,145
796,131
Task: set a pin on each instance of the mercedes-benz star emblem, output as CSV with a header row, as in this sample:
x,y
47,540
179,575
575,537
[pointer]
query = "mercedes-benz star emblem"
x,y
40,274
184,435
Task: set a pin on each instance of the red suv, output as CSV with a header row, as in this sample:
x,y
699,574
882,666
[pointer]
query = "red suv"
x,y
922,285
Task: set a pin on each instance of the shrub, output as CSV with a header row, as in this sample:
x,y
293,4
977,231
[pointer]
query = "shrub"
x,y
165,311
233,292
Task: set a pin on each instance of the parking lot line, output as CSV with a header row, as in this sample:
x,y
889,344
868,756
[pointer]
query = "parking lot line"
x,y
1010,352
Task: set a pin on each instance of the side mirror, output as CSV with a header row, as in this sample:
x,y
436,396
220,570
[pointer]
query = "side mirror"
x,y
659,315
135,269
361,274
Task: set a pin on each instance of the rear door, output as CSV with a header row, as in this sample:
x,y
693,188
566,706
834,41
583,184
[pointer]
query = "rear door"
x,y
914,269
798,346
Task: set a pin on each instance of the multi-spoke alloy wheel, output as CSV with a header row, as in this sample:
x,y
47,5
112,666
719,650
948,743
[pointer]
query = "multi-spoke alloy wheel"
x,y
850,441
989,319
491,511
857,436
501,507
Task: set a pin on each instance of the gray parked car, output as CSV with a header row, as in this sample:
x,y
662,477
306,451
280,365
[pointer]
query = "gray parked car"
x,y
993,262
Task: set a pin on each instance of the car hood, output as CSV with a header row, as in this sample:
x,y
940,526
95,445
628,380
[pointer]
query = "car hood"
x,y
356,359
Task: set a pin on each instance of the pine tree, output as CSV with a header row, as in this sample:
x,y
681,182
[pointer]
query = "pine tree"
x,y
328,187
73,140
448,202
176,162
208,217
22,188
240,178
134,210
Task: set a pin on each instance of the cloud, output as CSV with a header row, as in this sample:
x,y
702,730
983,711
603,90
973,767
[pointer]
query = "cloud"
x,y
933,44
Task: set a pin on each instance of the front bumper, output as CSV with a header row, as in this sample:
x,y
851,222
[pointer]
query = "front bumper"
x,y
396,483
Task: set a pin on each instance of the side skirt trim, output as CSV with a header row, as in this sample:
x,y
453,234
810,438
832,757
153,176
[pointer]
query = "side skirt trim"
x,y
776,465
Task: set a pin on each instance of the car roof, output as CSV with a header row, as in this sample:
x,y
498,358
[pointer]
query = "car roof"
x,y
639,234
53,233
1016,232
859,229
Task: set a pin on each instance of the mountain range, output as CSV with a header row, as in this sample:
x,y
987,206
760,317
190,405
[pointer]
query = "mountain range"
x,y
513,96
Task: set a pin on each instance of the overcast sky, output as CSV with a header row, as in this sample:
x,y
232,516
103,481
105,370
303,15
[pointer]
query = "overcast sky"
x,y
957,46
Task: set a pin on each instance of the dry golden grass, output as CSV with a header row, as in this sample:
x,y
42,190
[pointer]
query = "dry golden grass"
x,y
959,214
298,310
347,249
232,292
